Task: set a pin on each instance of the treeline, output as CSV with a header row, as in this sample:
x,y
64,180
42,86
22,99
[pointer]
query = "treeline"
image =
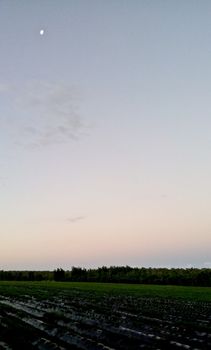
x,y
117,274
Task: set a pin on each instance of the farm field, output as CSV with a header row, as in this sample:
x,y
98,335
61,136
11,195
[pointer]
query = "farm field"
x,y
79,315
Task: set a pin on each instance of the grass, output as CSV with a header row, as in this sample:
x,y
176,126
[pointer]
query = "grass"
x,y
48,289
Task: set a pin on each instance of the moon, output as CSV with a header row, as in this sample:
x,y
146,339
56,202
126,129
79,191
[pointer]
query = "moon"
x,y
42,31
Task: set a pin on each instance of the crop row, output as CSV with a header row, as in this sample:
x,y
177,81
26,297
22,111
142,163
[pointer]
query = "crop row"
x,y
105,323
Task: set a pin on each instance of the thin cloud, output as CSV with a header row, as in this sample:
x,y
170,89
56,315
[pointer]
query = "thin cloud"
x,y
207,264
4,88
3,181
76,219
43,113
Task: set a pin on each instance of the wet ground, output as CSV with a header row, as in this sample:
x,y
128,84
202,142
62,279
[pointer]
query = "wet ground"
x,y
103,322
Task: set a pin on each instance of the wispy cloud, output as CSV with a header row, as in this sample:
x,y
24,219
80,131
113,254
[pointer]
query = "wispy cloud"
x,y
164,196
43,113
3,181
56,219
4,88
76,219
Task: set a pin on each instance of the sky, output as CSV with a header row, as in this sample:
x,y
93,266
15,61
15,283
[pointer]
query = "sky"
x,y
105,133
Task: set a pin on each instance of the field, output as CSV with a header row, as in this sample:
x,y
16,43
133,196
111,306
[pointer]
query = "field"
x,y
57,315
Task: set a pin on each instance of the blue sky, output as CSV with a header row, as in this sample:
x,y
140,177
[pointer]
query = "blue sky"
x,y
105,133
